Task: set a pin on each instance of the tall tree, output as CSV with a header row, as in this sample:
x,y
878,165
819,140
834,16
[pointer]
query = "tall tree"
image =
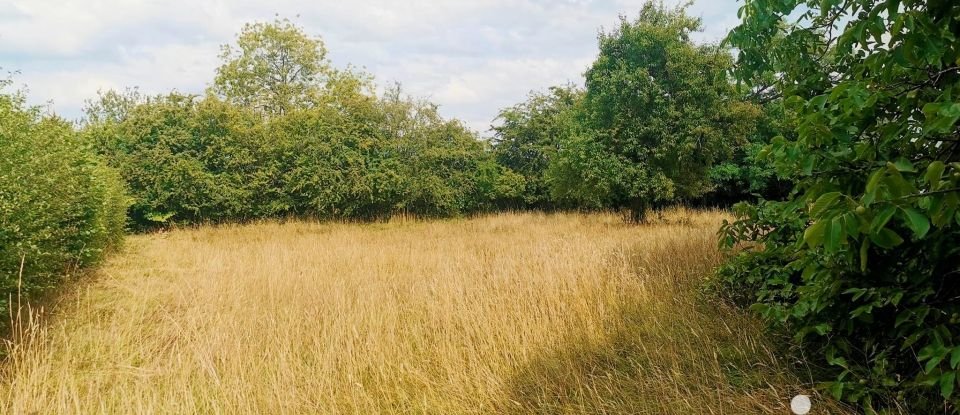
x,y
274,68
659,112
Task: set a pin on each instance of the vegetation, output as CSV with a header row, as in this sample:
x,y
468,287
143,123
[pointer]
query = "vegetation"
x,y
282,134
660,121
61,209
530,134
508,313
274,69
835,122
860,261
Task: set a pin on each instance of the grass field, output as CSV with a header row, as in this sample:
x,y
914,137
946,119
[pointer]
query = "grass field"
x,y
510,313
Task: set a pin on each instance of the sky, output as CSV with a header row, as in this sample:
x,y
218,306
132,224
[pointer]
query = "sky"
x,y
472,57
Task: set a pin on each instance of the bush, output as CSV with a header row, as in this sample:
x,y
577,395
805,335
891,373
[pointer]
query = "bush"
x,y
183,159
189,159
283,133
61,208
861,259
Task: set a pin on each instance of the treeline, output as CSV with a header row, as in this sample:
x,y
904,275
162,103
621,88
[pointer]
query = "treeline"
x,y
190,159
280,133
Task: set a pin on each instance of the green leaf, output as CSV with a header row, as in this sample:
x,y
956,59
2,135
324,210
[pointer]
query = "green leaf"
x,y
932,363
834,235
886,238
836,390
955,358
947,382
818,101
823,202
904,166
814,235
917,222
875,180
838,361
934,174
882,218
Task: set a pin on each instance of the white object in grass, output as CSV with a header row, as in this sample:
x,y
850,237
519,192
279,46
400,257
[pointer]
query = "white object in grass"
x,y
800,405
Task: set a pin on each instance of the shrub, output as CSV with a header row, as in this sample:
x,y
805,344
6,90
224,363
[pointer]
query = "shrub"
x,y
861,260
184,159
61,208
189,159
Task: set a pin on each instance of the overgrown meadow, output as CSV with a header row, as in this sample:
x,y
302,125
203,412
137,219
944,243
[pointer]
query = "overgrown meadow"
x,y
291,240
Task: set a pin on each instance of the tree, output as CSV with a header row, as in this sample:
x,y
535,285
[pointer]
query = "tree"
x,y
438,166
274,67
745,175
659,111
529,135
184,158
861,259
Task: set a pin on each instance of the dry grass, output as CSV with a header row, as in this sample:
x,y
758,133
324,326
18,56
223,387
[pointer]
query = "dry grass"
x,y
506,313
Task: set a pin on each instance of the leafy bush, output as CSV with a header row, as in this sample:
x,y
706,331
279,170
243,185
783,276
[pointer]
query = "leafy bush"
x,y
746,176
861,260
282,133
60,208
182,158
188,159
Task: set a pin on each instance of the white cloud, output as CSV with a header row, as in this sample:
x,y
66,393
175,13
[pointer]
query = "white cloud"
x,y
472,57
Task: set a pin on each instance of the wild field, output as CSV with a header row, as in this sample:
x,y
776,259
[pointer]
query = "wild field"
x,y
508,313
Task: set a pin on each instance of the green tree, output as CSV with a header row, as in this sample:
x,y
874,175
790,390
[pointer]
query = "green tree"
x,y
659,111
529,135
274,68
861,259
439,167
184,158
745,175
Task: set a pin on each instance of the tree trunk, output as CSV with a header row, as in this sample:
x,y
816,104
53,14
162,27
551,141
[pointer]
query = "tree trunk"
x,y
638,211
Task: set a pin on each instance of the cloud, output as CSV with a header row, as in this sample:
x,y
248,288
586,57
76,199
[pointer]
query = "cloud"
x,y
472,57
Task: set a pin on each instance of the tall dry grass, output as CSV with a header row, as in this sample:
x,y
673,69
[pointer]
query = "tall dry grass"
x,y
511,313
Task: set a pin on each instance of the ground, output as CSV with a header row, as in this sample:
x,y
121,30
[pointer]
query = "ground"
x,y
508,313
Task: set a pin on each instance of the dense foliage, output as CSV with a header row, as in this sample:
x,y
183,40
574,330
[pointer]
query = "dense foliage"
x,y
273,69
529,135
661,109
660,121
746,175
861,261
60,207
281,133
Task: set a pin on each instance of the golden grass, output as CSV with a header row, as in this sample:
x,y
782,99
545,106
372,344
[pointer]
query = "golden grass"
x,y
510,313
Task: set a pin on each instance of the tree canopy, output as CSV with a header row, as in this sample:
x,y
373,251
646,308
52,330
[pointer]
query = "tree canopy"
x,y
273,68
658,113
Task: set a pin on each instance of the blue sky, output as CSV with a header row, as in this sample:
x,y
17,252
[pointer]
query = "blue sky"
x,y
473,57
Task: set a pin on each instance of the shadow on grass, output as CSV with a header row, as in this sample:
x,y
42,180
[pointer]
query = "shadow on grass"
x,y
666,352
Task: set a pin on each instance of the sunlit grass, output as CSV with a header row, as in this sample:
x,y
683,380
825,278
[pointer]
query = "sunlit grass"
x,y
522,313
